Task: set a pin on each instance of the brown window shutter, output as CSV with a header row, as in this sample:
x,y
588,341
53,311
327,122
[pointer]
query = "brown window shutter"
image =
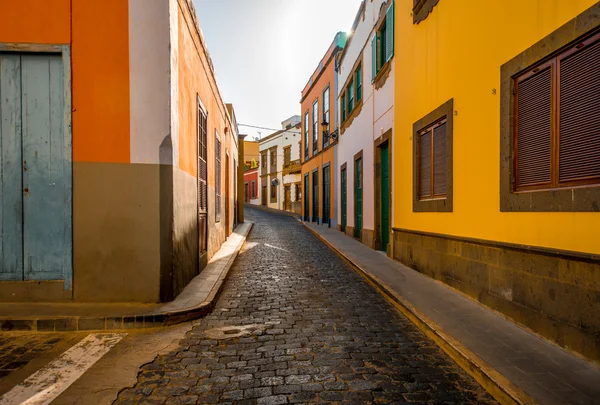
x,y
534,128
439,160
579,140
425,165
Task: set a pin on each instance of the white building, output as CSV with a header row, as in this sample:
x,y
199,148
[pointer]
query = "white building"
x,y
280,168
366,98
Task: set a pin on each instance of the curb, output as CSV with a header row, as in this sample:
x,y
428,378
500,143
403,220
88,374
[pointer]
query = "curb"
x,y
491,380
127,322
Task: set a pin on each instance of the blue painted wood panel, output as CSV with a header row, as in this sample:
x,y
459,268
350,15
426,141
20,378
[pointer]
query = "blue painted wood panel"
x,y
11,204
45,179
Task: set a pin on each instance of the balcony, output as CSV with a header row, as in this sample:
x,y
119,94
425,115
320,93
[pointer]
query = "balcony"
x,y
292,167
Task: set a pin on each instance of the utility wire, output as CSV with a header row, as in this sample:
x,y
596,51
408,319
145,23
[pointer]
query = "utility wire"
x,y
269,129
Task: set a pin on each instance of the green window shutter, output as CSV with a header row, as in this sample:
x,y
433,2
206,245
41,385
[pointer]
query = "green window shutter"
x,y
374,57
389,40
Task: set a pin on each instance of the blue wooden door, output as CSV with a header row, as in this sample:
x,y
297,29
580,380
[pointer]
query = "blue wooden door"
x,y
40,178
11,188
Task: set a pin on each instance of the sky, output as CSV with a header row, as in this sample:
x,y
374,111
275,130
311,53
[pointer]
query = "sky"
x,y
264,52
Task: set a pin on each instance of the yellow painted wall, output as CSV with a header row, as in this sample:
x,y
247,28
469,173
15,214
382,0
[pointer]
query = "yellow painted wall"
x,y
457,52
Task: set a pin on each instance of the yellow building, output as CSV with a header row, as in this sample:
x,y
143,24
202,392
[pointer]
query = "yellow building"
x,y
497,158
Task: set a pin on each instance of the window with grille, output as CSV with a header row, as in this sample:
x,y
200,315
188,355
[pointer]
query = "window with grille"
x,y
202,122
326,115
217,179
273,160
306,126
557,120
432,161
315,122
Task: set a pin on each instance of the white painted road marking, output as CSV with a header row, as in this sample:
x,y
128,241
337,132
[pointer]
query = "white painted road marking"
x,y
45,385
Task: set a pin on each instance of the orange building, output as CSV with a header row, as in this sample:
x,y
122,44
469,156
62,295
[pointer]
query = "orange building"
x,y
319,141
129,153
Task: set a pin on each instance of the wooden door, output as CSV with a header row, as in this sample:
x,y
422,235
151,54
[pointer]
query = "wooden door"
x,y
227,195
306,199
358,197
315,197
287,198
35,170
264,195
326,194
343,193
202,182
385,197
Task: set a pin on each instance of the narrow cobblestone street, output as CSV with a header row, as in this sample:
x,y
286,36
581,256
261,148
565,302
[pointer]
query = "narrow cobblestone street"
x,y
296,325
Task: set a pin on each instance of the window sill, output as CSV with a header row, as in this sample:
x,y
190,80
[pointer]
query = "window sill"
x,y
423,9
382,75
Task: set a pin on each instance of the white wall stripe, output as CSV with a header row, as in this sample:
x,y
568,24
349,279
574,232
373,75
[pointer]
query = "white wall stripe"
x,y
46,384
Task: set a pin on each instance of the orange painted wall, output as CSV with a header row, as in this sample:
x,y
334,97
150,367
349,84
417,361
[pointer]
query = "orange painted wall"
x,y
99,66
194,79
100,70
36,21
324,80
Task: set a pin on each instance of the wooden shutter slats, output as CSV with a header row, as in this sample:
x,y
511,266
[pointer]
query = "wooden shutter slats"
x,y
579,135
534,112
425,165
439,160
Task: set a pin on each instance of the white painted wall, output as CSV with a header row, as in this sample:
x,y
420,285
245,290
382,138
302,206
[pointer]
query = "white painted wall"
x,y
149,81
375,118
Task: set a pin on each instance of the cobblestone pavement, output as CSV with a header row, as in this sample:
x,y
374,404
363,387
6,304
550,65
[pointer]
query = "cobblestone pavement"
x,y
16,350
296,325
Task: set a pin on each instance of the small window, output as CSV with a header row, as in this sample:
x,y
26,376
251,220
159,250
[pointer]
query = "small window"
x,y
315,121
359,83
306,131
350,96
326,114
432,161
382,44
274,160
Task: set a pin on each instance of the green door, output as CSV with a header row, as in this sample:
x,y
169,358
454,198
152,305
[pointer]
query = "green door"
x,y
344,196
358,197
385,197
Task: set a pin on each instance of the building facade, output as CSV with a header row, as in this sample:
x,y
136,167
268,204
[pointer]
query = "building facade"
x,y
126,185
366,99
280,182
319,138
251,179
497,157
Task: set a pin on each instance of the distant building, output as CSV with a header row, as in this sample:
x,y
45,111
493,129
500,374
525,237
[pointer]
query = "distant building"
x,y
280,181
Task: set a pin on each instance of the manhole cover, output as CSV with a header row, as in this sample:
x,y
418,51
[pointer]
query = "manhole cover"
x,y
230,332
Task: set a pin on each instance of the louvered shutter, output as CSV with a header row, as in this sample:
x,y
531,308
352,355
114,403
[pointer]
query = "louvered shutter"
x,y
534,122
374,58
425,165
439,160
579,153
389,35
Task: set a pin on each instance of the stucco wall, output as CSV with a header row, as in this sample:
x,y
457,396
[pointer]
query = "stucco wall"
x,y
455,53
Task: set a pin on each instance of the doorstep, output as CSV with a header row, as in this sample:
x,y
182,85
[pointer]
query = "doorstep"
x,y
513,364
195,301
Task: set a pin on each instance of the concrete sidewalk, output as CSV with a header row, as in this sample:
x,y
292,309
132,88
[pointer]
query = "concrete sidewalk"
x,y
196,300
515,365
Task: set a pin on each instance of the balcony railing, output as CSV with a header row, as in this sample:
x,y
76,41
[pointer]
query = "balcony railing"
x,y
292,167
